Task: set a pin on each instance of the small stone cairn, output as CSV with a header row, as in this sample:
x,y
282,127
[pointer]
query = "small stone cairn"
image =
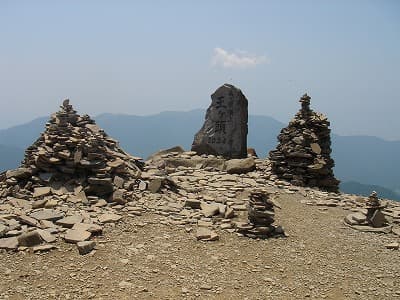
x,y
371,216
303,154
261,216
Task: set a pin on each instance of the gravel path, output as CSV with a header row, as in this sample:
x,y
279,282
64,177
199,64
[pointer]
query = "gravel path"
x,y
145,258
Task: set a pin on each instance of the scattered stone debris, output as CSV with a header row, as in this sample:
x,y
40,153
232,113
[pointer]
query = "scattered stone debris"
x,y
303,154
225,128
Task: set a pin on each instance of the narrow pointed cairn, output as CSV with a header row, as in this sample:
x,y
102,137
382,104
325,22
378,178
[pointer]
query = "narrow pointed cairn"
x,y
73,155
224,131
303,154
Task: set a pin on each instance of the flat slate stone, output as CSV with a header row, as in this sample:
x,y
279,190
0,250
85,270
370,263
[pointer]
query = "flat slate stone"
x,y
74,236
205,234
209,210
365,228
109,218
47,214
28,220
43,248
69,221
92,228
41,191
46,236
19,173
10,243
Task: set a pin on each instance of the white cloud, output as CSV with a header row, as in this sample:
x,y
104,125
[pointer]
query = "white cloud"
x,y
239,59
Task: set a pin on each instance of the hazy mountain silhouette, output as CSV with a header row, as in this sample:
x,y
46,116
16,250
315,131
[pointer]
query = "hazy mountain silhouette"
x,y
352,187
363,159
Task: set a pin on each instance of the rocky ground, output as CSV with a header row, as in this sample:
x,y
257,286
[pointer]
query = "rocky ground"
x,y
153,252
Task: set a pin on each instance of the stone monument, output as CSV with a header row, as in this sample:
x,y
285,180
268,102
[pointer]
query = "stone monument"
x,y
224,131
303,154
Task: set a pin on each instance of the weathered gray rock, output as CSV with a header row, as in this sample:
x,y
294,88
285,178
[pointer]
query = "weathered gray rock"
x,y
43,248
28,220
74,236
29,239
46,236
85,247
92,228
41,191
155,185
209,210
224,131
47,214
192,203
20,173
240,166
109,218
69,221
10,243
206,234
378,219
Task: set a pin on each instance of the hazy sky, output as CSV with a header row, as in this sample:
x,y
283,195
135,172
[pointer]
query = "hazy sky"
x,y
144,57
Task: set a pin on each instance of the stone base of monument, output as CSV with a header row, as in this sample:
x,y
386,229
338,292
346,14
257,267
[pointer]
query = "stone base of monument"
x,y
261,232
362,222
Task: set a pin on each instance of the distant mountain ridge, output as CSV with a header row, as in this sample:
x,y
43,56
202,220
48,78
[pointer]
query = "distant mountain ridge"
x,y
362,159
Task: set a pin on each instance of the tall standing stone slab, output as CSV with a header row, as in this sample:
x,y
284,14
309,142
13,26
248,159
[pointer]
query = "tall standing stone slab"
x,y
224,131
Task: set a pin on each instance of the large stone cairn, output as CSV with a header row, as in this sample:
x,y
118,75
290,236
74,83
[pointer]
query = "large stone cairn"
x,y
73,155
224,131
303,154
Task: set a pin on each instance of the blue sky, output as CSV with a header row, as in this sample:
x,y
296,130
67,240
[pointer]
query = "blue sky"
x,y
144,57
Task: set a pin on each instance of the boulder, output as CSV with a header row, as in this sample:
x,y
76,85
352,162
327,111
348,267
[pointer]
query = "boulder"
x,y
240,166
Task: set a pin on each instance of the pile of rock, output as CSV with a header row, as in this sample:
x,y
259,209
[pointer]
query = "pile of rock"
x,y
73,180
303,154
370,217
73,155
261,216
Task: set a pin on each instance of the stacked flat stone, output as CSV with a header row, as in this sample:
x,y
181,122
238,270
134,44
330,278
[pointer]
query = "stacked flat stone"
x,y
303,154
370,216
261,216
73,154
